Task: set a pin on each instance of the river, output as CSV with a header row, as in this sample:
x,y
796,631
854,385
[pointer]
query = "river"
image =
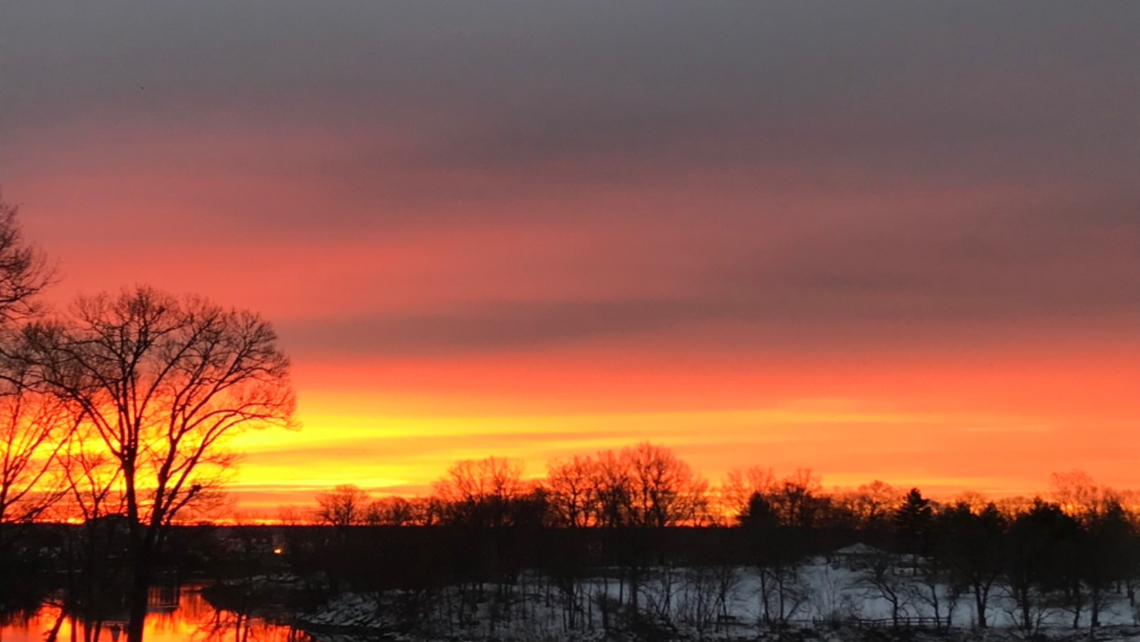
x,y
177,614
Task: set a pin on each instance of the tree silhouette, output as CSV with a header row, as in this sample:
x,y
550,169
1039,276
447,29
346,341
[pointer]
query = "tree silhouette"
x,y
33,426
24,271
1036,554
97,575
797,499
777,551
914,524
613,492
664,490
483,492
971,546
394,511
345,505
741,484
1107,555
163,382
571,491
875,502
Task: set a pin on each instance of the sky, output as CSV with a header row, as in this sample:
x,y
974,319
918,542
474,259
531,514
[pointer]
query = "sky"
x,y
881,240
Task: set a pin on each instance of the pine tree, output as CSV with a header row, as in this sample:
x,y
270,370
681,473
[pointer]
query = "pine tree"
x,y
914,521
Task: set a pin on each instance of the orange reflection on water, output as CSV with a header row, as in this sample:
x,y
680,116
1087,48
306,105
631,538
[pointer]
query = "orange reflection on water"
x,y
176,614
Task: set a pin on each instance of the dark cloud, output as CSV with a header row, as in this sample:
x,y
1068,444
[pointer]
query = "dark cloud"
x,y
492,327
884,83
819,166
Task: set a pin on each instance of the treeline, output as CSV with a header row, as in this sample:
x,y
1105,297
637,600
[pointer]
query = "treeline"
x,y
626,538
647,485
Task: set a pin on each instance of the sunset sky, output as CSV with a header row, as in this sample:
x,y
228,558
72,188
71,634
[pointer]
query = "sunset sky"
x,y
881,240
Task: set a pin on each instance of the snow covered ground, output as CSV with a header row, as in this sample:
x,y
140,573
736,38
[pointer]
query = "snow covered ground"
x,y
823,600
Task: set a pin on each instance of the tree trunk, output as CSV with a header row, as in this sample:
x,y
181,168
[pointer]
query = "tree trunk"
x,y
1025,614
1077,599
1094,612
980,606
140,588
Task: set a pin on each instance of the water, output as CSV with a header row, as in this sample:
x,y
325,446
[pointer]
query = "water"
x,y
177,614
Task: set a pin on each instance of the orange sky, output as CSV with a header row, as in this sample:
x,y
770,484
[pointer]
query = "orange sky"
x,y
899,245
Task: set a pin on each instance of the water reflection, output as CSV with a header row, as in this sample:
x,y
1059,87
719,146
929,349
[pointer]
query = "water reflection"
x,y
177,614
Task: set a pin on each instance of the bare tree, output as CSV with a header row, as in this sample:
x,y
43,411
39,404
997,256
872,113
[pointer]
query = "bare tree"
x,y
1079,496
643,488
1037,560
24,271
741,484
703,594
33,428
345,505
32,425
778,552
93,484
873,503
612,490
92,476
570,485
797,498
971,545
881,576
482,492
1106,557
394,511
664,489
163,382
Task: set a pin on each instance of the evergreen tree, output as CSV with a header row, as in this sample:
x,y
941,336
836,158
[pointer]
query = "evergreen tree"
x,y
914,522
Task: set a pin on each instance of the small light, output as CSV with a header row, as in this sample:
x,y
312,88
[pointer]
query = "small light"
x,y
277,551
